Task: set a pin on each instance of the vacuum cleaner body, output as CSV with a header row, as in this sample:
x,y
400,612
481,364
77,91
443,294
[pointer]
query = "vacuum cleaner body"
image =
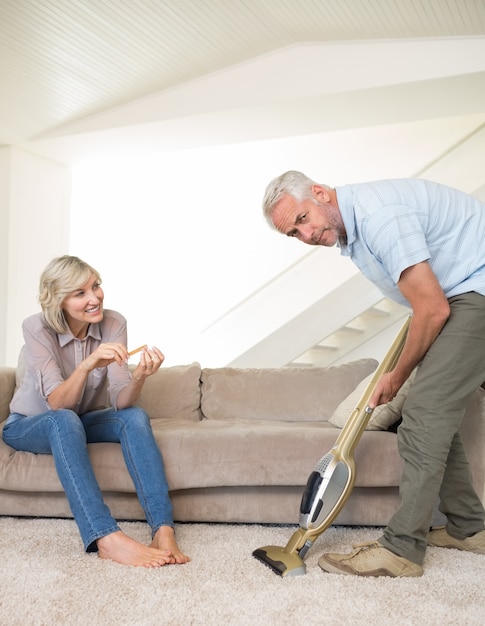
x,y
331,481
330,478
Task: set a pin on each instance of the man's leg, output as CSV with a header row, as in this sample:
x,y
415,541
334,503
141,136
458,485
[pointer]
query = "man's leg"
x,y
428,436
452,370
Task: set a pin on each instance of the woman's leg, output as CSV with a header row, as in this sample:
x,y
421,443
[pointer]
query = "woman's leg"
x,y
131,428
62,434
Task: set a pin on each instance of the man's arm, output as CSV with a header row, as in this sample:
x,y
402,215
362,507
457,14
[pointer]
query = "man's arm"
x,y
421,288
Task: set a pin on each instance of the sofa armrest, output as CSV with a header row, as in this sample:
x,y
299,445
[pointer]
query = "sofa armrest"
x,y
7,387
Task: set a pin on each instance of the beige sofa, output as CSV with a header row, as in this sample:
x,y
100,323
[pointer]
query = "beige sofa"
x,y
238,446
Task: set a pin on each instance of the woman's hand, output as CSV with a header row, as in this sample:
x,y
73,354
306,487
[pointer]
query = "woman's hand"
x,y
150,362
105,354
69,393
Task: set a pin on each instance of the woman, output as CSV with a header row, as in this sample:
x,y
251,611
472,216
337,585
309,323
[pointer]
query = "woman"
x,y
78,389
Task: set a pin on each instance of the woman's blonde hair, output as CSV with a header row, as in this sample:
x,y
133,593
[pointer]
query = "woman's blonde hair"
x,y
61,277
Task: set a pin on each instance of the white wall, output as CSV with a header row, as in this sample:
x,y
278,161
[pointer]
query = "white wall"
x,y
179,237
34,208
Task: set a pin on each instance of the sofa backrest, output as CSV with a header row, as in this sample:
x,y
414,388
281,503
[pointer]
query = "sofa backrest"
x,y
173,393
189,393
285,394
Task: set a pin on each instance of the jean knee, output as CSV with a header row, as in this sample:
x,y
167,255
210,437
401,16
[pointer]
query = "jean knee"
x,y
66,421
135,417
134,422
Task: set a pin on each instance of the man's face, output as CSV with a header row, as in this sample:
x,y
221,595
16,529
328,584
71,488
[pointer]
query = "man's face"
x,y
314,221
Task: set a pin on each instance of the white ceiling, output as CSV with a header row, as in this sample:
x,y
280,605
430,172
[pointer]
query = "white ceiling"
x,y
84,77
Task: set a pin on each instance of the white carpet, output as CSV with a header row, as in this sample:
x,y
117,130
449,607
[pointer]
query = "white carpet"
x,y
47,579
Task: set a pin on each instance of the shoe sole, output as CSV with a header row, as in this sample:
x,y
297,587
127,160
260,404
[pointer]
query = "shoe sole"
x,y
457,544
331,568
460,548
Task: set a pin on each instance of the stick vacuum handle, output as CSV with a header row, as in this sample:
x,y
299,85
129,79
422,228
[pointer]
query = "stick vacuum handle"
x,y
360,416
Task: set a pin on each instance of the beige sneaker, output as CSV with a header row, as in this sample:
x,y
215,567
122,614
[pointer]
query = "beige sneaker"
x,y
441,539
369,559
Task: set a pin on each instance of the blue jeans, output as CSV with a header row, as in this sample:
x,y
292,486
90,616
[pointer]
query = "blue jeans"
x,y
65,435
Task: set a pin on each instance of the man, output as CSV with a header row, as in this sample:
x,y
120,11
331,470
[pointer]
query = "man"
x,y
423,245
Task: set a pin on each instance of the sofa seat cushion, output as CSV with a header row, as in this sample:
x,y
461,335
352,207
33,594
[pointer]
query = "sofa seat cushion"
x,y
241,452
28,472
287,394
214,453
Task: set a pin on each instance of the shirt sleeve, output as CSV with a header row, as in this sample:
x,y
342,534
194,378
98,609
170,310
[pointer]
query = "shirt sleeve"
x,y
40,347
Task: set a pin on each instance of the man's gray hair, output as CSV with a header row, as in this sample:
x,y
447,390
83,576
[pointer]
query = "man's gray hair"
x,y
293,183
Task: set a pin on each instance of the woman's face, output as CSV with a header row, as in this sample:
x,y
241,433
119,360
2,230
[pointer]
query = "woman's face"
x,y
84,306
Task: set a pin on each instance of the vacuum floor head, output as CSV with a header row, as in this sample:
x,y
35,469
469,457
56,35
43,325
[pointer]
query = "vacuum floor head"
x,y
281,562
287,561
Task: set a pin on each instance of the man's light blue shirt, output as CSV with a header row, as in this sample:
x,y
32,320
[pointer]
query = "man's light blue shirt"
x,y
394,224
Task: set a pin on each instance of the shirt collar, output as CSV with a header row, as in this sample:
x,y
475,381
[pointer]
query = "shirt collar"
x,y
344,200
93,331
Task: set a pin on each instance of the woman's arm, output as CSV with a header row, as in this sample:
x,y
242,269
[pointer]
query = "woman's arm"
x,y
69,393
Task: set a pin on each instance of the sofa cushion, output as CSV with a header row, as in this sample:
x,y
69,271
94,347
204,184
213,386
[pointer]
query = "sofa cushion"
x,y
216,453
286,394
383,416
173,393
244,452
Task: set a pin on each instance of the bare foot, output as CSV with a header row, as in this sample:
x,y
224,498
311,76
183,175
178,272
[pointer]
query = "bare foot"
x,y
164,539
122,549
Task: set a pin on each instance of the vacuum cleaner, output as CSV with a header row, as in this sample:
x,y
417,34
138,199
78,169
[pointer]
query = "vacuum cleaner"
x,y
331,481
